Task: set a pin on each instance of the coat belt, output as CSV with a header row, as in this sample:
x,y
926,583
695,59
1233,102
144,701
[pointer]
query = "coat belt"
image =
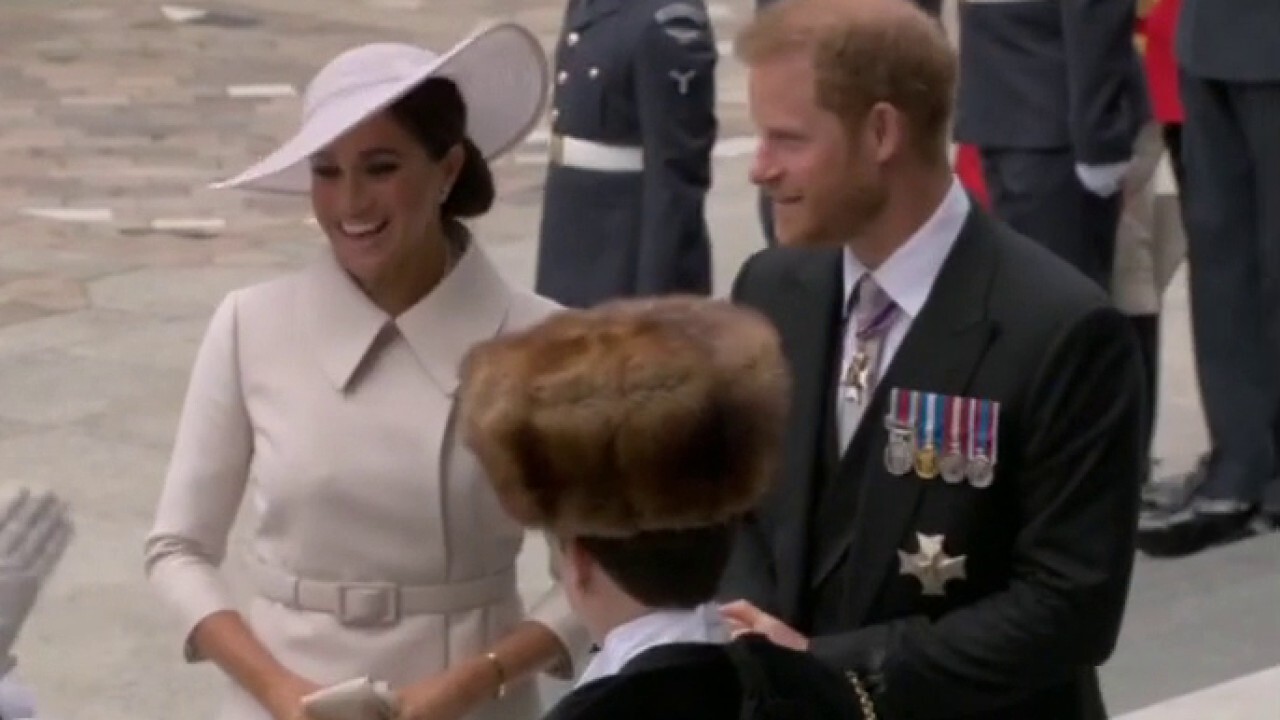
x,y
364,604
590,155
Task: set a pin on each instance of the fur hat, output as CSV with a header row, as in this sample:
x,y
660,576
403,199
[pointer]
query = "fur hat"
x,y
634,416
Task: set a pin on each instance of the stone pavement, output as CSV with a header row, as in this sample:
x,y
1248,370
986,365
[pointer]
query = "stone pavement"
x,y
113,254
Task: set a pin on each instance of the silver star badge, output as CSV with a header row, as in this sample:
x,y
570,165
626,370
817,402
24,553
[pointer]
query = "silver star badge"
x,y
931,565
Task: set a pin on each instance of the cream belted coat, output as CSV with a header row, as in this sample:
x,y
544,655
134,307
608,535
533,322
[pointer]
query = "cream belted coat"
x,y
340,424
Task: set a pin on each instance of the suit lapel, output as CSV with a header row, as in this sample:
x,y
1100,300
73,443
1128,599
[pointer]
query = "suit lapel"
x,y
939,354
808,306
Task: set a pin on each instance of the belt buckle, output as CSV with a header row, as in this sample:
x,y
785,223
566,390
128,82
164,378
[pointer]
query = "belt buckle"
x,y
368,604
555,149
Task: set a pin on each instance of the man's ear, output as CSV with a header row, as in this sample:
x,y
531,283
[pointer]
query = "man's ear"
x,y
582,568
887,131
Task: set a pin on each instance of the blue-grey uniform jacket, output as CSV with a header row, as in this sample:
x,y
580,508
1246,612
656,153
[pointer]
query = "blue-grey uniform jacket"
x,y
1051,75
633,127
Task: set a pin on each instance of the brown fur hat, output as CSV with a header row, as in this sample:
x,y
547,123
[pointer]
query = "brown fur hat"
x,y
635,416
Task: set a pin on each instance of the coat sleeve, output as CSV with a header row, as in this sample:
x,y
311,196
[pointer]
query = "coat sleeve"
x,y
1102,65
204,484
675,98
1082,458
750,573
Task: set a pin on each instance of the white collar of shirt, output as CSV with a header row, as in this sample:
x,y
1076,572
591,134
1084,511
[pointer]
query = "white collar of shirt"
x,y
702,624
908,274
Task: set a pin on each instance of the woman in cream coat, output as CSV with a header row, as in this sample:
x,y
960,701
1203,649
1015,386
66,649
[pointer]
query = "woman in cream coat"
x,y
378,549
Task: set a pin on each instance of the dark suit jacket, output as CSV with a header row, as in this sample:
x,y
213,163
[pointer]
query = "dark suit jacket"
x,y
1233,40
702,682
1051,75
1049,544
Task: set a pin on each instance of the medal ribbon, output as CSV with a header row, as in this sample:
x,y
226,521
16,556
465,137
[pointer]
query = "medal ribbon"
x,y
955,424
993,438
926,413
937,420
983,447
972,449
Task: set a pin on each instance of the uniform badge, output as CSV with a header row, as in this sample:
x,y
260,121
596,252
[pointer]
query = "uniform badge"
x,y
930,428
900,451
954,465
931,565
984,428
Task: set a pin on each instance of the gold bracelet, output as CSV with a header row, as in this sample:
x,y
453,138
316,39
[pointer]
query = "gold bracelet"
x,y
502,675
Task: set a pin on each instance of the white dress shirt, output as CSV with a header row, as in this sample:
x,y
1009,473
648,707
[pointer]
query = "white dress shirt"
x,y
703,624
907,276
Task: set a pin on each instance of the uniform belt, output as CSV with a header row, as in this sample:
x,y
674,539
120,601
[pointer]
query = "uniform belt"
x,y
588,155
365,604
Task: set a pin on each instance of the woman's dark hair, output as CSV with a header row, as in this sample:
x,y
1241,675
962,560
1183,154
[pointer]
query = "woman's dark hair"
x,y
436,115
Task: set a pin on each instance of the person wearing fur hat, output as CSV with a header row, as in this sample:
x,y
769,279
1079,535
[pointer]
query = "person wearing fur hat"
x,y
635,434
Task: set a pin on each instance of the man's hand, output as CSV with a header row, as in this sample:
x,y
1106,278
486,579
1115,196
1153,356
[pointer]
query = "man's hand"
x,y
743,617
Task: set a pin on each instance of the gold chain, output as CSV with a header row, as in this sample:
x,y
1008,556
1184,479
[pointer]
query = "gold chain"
x,y
864,697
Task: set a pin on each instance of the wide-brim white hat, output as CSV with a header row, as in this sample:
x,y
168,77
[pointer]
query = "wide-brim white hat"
x,y
500,70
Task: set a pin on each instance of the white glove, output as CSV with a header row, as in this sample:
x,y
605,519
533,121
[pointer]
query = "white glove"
x,y
358,699
34,532
1102,180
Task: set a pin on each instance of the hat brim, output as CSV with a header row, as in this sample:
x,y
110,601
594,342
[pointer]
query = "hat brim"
x,y
501,72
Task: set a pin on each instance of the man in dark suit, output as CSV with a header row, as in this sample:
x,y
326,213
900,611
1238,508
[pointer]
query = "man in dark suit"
x,y
1230,85
955,517
933,7
633,125
1052,93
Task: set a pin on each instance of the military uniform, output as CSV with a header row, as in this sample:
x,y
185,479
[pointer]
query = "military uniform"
x,y
633,125
1053,95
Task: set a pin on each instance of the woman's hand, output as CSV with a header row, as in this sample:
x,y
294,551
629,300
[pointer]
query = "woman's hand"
x,y
284,698
450,695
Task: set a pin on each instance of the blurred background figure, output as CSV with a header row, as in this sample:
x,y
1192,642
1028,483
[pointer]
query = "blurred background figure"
x,y
633,127
1230,87
1052,94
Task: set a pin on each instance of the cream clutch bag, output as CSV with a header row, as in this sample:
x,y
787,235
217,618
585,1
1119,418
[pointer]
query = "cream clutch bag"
x,y
357,699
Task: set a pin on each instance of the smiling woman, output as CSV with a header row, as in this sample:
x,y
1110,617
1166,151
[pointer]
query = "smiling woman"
x,y
378,550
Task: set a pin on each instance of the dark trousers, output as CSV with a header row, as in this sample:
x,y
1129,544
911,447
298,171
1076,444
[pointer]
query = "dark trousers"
x,y
1038,193
1231,150
1147,330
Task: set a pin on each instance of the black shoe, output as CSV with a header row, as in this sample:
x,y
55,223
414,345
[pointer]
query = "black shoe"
x,y
1179,533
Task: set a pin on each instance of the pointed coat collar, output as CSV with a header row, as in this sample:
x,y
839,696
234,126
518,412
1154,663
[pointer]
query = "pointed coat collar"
x,y
468,306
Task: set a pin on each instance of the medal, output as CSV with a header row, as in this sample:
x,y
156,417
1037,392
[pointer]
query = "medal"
x,y
899,451
931,565
927,456
857,376
982,456
953,464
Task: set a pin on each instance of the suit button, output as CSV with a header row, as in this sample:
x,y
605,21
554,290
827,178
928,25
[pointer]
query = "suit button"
x,y
572,39
561,77
593,72
555,114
